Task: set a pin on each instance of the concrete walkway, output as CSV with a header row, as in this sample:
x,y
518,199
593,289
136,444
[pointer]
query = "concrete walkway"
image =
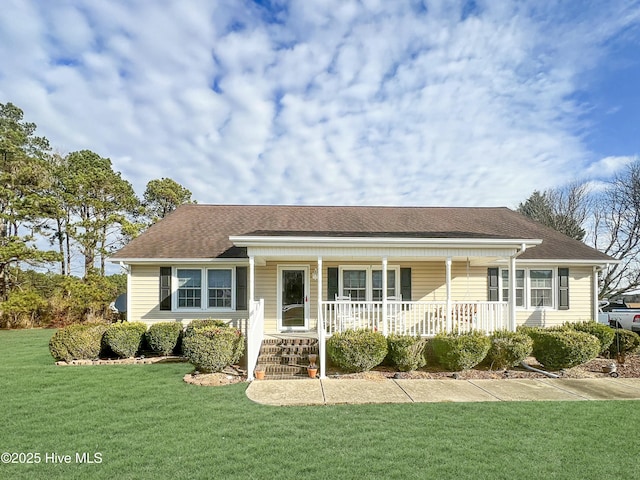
x,y
334,391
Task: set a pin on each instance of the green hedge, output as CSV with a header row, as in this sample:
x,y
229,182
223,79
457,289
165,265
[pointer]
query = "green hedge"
x,y
77,342
460,351
207,322
406,352
357,350
508,349
163,337
125,338
556,349
624,342
603,333
212,348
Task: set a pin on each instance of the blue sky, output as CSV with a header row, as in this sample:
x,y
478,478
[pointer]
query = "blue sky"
x,y
368,102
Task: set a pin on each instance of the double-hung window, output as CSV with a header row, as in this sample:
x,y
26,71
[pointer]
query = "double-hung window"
x,y
354,284
189,288
219,288
534,288
376,276
519,287
541,284
365,284
215,285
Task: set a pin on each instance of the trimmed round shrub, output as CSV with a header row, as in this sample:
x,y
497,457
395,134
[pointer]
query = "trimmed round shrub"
x,y
125,338
163,337
406,352
462,351
624,342
508,349
77,342
603,333
357,350
213,348
564,349
207,322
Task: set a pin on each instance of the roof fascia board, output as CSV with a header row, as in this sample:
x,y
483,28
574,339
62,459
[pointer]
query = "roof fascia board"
x,y
292,241
238,260
563,261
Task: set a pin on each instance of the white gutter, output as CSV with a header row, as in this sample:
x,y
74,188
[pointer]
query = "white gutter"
x,y
299,241
564,261
596,290
512,286
234,260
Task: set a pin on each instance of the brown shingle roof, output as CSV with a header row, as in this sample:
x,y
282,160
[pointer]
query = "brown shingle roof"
x,y
202,231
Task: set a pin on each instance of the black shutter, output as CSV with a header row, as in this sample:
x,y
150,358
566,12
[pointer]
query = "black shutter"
x,y
241,288
492,284
332,283
165,288
563,289
405,284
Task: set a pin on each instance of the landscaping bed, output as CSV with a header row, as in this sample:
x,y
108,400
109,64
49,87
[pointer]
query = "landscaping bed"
x,y
216,379
591,369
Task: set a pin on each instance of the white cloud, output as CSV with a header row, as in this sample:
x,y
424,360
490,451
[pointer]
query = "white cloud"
x,y
608,167
334,103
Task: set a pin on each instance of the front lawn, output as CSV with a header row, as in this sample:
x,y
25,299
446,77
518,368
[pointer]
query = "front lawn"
x,y
145,422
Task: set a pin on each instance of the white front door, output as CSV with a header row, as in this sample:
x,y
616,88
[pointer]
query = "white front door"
x,y
293,298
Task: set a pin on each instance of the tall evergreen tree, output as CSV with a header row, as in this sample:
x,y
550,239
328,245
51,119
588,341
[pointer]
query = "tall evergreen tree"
x,y
102,205
162,196
22,180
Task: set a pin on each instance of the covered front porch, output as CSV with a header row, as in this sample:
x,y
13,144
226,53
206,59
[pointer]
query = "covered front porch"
x,y
424,319
330,306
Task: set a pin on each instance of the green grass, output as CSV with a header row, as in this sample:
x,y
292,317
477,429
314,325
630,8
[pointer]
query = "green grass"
x,y
147,423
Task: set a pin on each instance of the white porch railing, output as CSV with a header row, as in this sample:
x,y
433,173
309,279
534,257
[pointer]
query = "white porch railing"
x,y
415,318
255,334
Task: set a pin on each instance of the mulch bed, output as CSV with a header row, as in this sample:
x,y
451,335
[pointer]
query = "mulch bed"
x,y
593,369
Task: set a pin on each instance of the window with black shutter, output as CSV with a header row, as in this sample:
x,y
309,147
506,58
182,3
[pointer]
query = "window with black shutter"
x,y
165,288
241,288
405,284
563,289
492,285
332,283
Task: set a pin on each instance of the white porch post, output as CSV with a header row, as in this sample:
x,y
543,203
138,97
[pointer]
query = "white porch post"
x,y
448,280
252,281
595,291
512,293
321,328
384,297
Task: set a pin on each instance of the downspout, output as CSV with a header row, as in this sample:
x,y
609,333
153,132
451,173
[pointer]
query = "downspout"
x,y
384,296
537,370
128,270
512,306
596,294
448,282
322,352
512,286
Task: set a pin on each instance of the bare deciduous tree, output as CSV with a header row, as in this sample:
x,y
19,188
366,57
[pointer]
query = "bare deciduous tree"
x,y
616,231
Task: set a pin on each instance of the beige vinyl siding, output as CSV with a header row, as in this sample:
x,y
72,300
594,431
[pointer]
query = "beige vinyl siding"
x,y
266,282
267,286
145,296
580,303
468,283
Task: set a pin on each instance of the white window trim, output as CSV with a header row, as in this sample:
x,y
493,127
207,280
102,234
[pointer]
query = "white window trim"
x,y
527,288
204,290
369,278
